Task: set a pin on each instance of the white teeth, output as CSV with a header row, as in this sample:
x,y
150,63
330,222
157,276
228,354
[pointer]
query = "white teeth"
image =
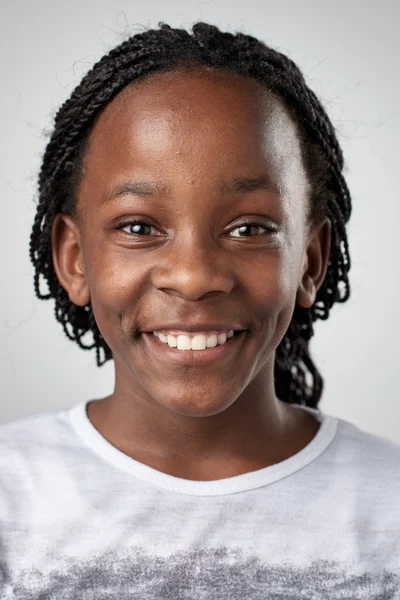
x,y
222,337
171,341
197,342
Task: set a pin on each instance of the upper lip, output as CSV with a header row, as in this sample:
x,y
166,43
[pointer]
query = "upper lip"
x,y
197,327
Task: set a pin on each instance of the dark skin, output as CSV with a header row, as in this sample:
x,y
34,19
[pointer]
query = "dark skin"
x,y
189,131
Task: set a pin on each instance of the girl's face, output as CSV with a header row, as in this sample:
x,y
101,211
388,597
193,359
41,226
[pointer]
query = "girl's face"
x,y
210,166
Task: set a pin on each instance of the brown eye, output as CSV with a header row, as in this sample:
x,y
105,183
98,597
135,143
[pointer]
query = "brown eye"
x,y
247,225
136,227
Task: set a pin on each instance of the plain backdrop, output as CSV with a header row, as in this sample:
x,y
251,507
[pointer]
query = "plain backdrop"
x,y
348,52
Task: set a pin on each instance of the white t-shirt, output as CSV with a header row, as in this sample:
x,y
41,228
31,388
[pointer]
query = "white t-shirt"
x,y
79,519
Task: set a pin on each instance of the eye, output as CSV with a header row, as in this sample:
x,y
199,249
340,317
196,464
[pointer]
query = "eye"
x,y
134,227
247,224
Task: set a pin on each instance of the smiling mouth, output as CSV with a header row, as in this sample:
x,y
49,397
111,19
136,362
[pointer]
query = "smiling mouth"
x,y
197,341
223,351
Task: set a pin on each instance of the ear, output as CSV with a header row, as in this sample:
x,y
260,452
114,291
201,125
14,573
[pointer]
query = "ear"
x,y
68,259
315,263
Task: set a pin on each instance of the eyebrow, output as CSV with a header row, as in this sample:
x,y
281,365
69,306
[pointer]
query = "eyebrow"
x,y
155,188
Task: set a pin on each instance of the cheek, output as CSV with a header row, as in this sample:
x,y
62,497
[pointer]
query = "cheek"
x,y
274,298
116,284
115,279
274,282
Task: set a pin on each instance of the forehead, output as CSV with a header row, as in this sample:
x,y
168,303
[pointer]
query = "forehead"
x,y
202,92
198,122
178,110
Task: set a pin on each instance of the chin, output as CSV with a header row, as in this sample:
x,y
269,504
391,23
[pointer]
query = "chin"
x,y
194,408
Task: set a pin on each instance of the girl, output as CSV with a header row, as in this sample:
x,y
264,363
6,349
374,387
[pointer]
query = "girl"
x,y
192,221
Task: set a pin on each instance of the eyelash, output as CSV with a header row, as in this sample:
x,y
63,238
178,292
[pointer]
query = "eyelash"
x,y
268,228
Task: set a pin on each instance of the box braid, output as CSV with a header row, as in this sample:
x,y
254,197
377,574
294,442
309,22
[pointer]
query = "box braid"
x,y
297,380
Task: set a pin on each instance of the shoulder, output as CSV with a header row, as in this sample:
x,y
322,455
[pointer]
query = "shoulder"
x,y
30,440
369,461
32,451
19,433
364,445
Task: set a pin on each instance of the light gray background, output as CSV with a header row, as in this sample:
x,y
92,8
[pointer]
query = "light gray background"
x,y
349,53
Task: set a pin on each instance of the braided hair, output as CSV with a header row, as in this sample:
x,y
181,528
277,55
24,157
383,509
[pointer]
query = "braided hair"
x,y
297,380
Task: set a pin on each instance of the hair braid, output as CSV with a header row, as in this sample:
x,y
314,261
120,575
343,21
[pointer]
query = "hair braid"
x,y
297,379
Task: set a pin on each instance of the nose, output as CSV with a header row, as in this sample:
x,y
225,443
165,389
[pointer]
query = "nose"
x,y
194,269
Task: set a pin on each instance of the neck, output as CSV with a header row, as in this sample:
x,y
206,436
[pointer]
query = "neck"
x,y
256,430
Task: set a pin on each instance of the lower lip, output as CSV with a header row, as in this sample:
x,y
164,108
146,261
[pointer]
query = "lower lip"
x,y
196,357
